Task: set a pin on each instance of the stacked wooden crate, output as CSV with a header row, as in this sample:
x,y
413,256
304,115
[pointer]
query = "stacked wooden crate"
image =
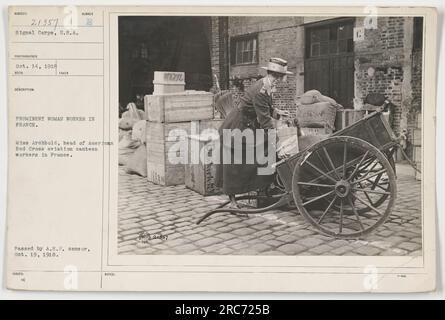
x,y
200,170
169,125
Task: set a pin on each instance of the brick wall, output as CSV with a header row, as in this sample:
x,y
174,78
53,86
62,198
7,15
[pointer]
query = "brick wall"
x,y
414,117
277,37
383,52
214,48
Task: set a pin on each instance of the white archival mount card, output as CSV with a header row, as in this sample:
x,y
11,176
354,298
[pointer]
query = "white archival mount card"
x,y
113,182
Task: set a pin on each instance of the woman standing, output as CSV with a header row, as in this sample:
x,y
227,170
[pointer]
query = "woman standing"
x,y
254,111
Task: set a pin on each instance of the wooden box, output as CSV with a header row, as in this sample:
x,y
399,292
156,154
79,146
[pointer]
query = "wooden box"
x,y
187,106
200,170
346,117
168,82
315,131
166,141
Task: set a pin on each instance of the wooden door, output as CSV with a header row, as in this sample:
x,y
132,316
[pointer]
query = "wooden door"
x,y
329,63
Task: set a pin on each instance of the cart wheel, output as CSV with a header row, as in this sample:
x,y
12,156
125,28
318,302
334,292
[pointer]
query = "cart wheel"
x,y
344,186
378,183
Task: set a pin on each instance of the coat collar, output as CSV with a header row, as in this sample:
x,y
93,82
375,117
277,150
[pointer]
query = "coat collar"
x,y
267,88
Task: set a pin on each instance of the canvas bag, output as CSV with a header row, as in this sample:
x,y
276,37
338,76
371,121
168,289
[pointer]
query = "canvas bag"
x,y
137,161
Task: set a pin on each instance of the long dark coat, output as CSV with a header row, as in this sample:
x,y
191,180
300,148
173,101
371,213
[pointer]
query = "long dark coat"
x,y
254,111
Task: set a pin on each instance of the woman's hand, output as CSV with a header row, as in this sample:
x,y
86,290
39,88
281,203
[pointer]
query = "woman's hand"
x,y
282,154
283,113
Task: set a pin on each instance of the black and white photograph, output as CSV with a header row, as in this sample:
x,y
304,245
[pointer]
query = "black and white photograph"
x,y
270,135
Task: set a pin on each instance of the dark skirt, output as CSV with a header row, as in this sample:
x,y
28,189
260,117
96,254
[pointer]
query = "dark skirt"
x,y
240,178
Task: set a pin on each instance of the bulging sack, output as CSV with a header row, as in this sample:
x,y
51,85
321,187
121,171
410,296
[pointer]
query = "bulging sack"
x,y
130,117
317,115
127,147
137,162
315,96
139,131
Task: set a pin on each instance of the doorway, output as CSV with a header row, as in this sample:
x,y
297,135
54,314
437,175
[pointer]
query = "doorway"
x,y
329,60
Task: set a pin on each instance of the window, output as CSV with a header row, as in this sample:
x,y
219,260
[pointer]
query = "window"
x,y
329,40
244,50
418,33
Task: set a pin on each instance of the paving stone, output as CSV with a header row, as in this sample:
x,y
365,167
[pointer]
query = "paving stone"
x,y
176,242
310,242
126,222
133,231
263,226
127,248
367,251
225,251
260,247
254,220
247,252
394,252
322,249
207,242
239,246
173,211
243,231
275,243
273,253
341,250
226,236
291,249
225,229
214,248
267,237
338,243
410,246
232,241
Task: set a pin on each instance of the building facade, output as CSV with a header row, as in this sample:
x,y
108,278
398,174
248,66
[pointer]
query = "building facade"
x,y
344,58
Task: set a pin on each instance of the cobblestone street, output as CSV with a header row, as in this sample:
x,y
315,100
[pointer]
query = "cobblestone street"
x,y
172,212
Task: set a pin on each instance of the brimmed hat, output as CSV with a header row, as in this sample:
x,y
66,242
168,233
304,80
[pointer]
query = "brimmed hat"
x,y
277,65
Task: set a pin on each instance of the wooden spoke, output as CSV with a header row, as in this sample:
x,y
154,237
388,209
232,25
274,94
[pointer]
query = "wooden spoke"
x,y
320,171
321,161
316,184
345,159
373,166
376,181
377,185
318,198
327,210
350,163
368,205
356,214
331,163
367,195
368,177
358,165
